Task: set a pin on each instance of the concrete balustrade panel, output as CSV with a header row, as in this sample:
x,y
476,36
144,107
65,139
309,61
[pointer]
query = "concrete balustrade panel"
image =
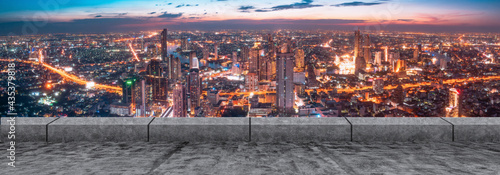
x,y
400,129
300,129
27,129
476,129
199,129
99,129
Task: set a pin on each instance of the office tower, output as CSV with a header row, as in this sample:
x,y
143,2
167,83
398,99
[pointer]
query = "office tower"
x,y
129,91
164,55
184,44
251,82
284,81
367,50
386,54
360,64
179,100
192,55
236,66
254,60
216,51
357,43
441,48
143,98
416,55
194,86
158,82
271,46
378,85
398,96
442,63
378,58
245,54
299,59
454,103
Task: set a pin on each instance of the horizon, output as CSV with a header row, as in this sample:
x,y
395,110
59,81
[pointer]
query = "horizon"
x,y
57,16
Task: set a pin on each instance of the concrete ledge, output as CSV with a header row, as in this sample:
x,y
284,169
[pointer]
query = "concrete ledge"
x,y
199,129
481,129
300,129
400,129
96,129
27,129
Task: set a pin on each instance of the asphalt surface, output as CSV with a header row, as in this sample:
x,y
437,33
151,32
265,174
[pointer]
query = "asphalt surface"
x,y
254,158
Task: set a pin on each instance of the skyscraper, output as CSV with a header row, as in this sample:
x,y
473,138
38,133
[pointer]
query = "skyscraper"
x,y
254,60
284,81
251,82
378,58
367,50
357,43
454,105
236,66
216,51
299,60
184,44
164,55
158,82
179,99
194,86
128,90
244,55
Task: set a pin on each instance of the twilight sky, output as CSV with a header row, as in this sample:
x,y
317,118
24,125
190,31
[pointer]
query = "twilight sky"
x,y
96,16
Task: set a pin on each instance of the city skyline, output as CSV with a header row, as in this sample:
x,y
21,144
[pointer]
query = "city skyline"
x,y
23,17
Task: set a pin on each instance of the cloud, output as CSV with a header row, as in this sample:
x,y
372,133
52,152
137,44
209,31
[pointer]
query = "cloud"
x,y
359,3
108,15
170,15
98,16
406,20
246,8
152,13
298,5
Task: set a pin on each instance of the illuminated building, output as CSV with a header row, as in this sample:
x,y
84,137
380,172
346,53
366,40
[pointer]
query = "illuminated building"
x,y
378,58
206,53
236,66
192,55
398,96
128,91
254,59
299,59
416,55
378,85
454,105
360,65
244,55
284,81
251,82
158,82
216,51
367,50
143,98
213,96
194,86
357,43
184,44
179,100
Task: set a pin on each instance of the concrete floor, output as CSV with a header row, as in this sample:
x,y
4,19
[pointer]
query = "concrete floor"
x,y
254,158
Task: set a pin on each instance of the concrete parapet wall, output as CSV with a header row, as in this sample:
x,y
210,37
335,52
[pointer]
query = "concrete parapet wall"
x,y
400,129
97,129
200,129
480,129
300,129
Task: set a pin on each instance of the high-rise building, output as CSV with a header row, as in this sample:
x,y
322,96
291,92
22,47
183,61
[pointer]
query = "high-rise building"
x,y
184,44
158,82
378,58
254,60
378,85
357,43
164,55
216,51
367,49
192,55
398,96
251,82
454,105
284,81
299,60
236,66
194,86
179,100
129,91
416,55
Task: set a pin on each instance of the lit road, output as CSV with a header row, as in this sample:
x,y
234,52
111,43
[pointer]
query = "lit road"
x,y
73,78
